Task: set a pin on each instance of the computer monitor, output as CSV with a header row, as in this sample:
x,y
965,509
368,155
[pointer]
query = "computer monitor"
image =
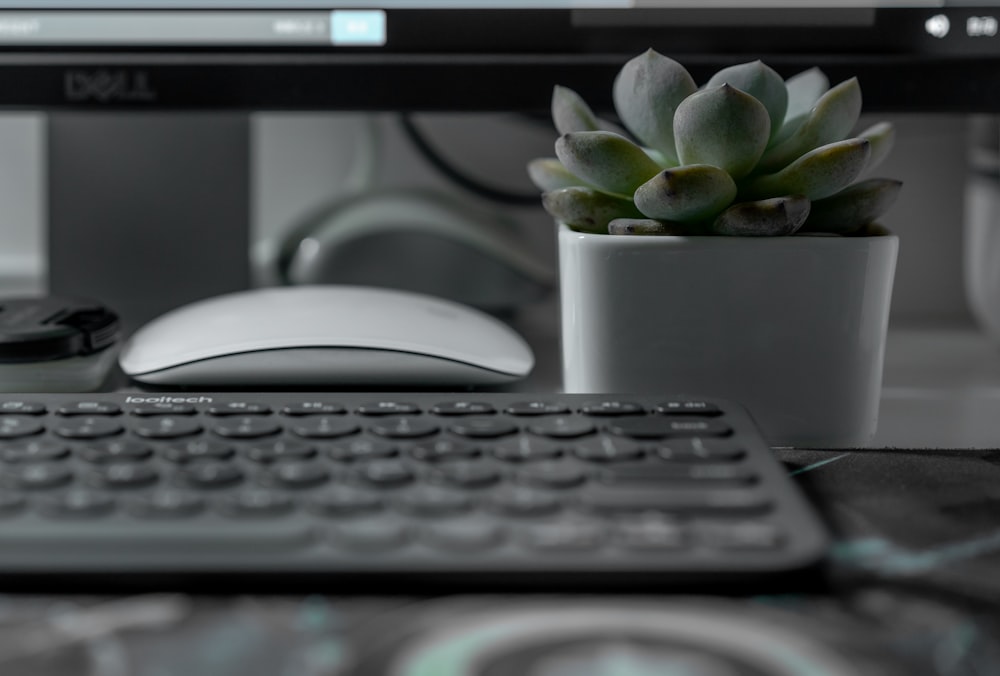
x,y
152,209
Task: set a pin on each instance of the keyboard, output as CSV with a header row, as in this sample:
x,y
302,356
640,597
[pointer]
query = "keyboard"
x,y
482,489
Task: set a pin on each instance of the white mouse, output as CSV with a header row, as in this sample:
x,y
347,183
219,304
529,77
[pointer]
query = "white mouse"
x,y
326,335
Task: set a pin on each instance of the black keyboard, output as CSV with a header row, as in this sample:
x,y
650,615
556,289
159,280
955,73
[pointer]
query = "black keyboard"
x,y
465,489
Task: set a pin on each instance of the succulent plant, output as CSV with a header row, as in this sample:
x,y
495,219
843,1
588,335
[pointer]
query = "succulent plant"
x,y
749,153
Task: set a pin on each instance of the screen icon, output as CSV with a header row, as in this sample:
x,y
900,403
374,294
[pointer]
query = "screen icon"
x,y
937,26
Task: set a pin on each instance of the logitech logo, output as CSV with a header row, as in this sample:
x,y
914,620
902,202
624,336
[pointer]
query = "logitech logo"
x,y
108,86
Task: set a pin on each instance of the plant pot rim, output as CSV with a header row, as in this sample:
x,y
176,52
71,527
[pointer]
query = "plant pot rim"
x,y
872,231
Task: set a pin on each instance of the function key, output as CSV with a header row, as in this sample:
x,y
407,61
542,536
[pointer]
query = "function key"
x,y
88,428
696,449
404,427
324,427
115,451
166,427
22,408
613,408
483,428
389,408
688,407
662,427
304,408
163,408
246,427
530,408
34,451
563,427
198,450
241,408
280,450
16,427
167,504
463,408
89,408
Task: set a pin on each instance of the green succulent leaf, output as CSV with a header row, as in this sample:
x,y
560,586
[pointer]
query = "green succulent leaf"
x,y
882,137
723,127
831,119
686,193
853,207
606,160
646,93
586,209
759,81
804,90
817,174
548,173
644,226
571,113
772,217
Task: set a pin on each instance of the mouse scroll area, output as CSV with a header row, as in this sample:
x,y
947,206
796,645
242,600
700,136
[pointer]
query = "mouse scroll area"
x,y
322,366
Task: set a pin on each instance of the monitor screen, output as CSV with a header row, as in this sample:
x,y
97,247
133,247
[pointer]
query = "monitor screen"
x,y
474,55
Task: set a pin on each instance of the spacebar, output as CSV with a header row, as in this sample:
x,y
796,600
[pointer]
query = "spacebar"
x,y
82,538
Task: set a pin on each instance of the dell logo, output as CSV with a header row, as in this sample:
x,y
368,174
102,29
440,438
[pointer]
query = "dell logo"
x,y
108,86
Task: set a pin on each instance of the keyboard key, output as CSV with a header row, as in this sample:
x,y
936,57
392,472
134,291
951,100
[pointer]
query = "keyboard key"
x,y
433,501
324,427
525,502
167,504
404,427
256,504
445,449
125,475
562,427
533,408
11,503
78,504
208,474
167,427
527,449
280,450
370,535
239,408
693,475
306,408
298,474
651,534
468,474
662,427
688,407
570,536
483,428
247,427
363,449
201,449
462,536
696,449
454,408
163,408
387,473
34,451
749,535
22,408
88,428
613,408
118,450
344,501
39,476
16,427
379,408
606,449
89,408
552,475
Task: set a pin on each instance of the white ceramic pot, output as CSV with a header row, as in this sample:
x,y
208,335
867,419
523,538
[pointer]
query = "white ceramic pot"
x,y
791,327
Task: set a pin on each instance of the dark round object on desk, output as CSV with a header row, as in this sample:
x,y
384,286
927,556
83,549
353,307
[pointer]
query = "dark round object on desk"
x,y
47,328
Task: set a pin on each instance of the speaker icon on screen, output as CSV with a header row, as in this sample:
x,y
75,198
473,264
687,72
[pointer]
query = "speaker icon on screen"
x,y
937,26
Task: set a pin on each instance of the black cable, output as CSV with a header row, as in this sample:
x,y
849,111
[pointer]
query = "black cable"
x,y
457,176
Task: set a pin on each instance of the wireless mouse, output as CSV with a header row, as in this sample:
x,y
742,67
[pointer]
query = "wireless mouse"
x,y
325,335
